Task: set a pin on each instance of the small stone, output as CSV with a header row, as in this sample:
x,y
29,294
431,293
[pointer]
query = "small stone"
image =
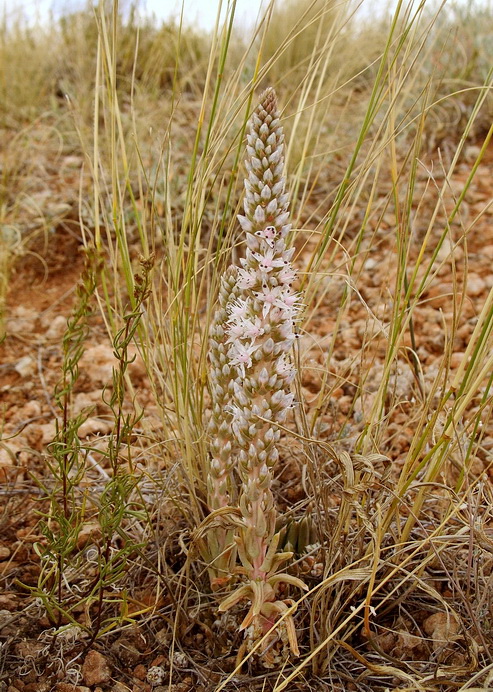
x,y
48,431
95,669
371,263
159,660
442,628
22,320
25,366
88,401
11,624
31,409
163,637
4,552
471,152
125,652
87,532
8,602
39,686
93,426
456,359
98,363
140,672
475,285
441,295
142,687
56,327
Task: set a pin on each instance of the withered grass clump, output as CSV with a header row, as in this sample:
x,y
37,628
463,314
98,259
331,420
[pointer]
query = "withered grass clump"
x,y
160,539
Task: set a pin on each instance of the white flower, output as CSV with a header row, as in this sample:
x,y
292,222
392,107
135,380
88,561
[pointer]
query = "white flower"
x,y
286,275
247,279
253,328
268,297
286,330
283,366
242,328
288,302
241,355
267,262
238,308
269,233
235,331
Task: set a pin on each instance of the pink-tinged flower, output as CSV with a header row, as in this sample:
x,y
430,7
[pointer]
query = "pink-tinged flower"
x,y
246,279
268,296
238,308
245,329
236,331
286,330
241,355
289,302
283,366
286,276
268,234
268,261
253,328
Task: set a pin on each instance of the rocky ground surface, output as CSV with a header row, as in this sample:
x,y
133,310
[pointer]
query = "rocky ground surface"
x,y
40,297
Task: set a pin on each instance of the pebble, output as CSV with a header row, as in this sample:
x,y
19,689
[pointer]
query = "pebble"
x,y
26,366
57,327
475,285
87,532
125,652
39,686
456,359
95,669
93,426
22,320
48,431
87,400
31,409
441,628
140,672
98,363
4,552
441,295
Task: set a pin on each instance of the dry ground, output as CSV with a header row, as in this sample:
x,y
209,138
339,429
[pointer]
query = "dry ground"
x,y
39,300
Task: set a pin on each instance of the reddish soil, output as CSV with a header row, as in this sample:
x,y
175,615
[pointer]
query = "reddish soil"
x,y
40,298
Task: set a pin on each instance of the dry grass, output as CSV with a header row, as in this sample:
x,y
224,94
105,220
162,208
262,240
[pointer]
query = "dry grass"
x,y
129,138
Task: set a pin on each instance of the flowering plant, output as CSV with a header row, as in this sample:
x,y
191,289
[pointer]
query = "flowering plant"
x,y
258,323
